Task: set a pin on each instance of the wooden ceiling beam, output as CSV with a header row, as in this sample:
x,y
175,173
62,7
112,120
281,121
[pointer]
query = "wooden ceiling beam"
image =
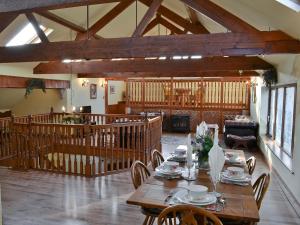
x,y
174,29
147,17
108,17
6,19
221,44
41,34
151,25
221,16
235,74
7,81
51,16
174,17
64,22
194,18
24,6
155,65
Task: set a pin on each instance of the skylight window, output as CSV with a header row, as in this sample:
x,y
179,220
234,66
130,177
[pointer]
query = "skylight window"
x,y
292,4
28,35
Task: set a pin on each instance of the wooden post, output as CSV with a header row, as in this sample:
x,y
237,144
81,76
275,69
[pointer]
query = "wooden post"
x,y
51,114
87,134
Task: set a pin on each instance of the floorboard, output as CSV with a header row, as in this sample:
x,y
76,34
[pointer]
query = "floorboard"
x,y
39,198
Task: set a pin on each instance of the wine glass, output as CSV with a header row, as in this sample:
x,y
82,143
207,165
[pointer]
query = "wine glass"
x,y
190,176
215,178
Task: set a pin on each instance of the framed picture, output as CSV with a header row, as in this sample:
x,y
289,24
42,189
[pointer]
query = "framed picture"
x,y
93,91
112,89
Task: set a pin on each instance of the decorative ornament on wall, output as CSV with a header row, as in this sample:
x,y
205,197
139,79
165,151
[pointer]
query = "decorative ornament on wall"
x,y
85,83
112,89
93,91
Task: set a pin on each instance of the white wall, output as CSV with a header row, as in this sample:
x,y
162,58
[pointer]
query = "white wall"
x,y
36,102
113,99
81,95
289,72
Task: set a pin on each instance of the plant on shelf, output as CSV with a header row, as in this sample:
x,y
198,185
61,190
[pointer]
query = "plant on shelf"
x,y
270,77
34,83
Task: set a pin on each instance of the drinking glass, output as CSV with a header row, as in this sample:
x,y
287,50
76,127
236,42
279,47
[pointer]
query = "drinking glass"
x,y
190,176
215,178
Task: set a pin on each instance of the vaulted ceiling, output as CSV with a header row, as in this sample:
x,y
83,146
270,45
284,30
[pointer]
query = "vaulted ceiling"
x,y
262,15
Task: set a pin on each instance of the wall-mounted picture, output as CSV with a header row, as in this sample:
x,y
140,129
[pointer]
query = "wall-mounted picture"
x,y
93,91
112,89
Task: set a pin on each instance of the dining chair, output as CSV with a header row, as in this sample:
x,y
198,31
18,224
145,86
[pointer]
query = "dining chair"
x,y
187,215
251,163
156,158
139,173
260,188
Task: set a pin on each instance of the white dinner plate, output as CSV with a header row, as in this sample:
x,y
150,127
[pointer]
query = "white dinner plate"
x,y
238,178
163,171
183,197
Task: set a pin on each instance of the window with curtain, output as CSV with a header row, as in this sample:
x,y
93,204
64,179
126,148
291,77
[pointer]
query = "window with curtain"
x,y
281,117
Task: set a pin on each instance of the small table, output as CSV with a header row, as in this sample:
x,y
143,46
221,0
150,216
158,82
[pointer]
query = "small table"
x,y
240,201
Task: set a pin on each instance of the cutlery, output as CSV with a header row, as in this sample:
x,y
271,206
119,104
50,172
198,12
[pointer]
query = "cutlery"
x,y
170,195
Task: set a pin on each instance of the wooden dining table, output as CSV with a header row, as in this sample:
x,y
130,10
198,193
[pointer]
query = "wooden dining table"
x,y
240,201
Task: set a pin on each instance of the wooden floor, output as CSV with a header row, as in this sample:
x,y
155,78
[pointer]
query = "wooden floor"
x,y
38,198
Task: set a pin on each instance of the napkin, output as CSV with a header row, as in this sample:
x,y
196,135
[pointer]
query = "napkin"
x,y
189,152
201,129
216,161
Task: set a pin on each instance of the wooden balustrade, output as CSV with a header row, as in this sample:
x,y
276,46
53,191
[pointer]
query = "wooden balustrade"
x,y
80,149
205,93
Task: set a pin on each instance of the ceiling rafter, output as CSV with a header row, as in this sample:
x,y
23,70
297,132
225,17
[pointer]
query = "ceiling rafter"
x,y
235,74
221,16
25,6
174,29
194,18
41,34
66,23
155,65
6,19
182,22
154,22
147,17
220,44
108,17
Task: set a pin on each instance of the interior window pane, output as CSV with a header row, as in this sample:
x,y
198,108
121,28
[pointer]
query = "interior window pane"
x,y
279,115
272,112
289,119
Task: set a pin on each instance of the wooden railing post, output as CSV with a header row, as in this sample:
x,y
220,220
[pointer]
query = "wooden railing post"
x,y
87,134
28,152
51,114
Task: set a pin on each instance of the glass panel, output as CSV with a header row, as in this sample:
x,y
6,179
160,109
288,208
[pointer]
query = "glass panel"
x,y
279,115
289,119
272,112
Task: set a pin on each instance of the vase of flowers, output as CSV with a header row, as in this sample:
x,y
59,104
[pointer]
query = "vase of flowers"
x,y
201,148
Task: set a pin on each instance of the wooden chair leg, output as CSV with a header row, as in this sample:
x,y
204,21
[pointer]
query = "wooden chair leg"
x,y
146,220
152,219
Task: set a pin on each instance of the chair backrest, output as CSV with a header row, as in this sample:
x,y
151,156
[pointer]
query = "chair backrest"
x,y
187,215
260,188
251,163
139,173
156,158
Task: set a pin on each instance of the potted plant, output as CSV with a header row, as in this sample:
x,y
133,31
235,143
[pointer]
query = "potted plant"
x,y
270,77
34,83
201,148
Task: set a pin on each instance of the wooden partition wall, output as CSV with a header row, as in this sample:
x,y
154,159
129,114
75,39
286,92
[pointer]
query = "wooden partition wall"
x,y
208,99
87,150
